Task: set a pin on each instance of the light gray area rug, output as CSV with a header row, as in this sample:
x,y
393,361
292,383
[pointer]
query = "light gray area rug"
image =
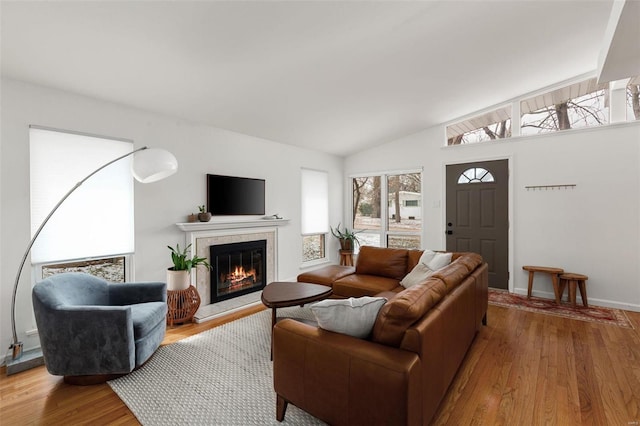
x,y
222,376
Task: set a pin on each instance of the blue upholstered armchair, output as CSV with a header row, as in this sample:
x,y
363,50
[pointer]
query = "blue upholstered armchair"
x,y
90,327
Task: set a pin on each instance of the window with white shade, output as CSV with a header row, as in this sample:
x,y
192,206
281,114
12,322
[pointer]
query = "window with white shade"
x,y
315,214
97,220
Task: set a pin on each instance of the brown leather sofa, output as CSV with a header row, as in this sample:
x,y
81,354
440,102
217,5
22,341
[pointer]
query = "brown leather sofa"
x,y
400,374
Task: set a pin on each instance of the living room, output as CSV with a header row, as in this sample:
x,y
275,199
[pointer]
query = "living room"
x,y
592,228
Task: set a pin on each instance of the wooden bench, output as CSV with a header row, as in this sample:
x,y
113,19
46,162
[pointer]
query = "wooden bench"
x,y
554,272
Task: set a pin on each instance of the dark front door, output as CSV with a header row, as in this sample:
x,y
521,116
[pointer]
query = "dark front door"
x,y
478,215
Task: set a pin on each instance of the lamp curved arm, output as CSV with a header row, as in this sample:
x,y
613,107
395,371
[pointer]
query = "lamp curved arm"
x,y
16,345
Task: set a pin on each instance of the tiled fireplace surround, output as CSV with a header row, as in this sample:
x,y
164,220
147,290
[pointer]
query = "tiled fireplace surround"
x,y
202,235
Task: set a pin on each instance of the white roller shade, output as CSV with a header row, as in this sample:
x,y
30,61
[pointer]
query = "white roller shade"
x,y
315,202
97,219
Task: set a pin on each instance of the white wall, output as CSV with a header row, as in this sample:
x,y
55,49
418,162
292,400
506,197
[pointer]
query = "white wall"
x,y
158,206
593,229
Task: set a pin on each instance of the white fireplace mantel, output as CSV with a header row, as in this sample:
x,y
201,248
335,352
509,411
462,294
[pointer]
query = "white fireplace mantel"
x,y
202,235
230,223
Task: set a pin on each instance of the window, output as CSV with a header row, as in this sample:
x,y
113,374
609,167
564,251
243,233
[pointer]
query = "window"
x,y
96,221
111,269
315,214
400,224
490,126
577,105
475,175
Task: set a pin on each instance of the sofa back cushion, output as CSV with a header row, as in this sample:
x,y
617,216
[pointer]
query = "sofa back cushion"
x,y
401,312
385,262
470,260
452,275
413,257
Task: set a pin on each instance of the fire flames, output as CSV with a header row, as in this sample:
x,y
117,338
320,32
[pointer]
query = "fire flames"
x,y
240,276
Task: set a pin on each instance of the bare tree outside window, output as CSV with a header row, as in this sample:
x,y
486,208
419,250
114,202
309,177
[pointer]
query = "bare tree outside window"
x,y
366,202
404,210
578,105
489,126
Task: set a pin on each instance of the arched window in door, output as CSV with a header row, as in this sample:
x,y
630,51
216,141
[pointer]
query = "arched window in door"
x,y
475,175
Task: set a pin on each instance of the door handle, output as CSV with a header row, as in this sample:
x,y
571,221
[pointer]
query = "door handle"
x,y
449,232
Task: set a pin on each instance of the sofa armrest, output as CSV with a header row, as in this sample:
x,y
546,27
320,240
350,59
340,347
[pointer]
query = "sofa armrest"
x,y
345,380
131,293
87,340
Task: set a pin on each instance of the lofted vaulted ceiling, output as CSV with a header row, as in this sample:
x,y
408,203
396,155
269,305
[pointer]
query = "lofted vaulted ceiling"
x,y
336,76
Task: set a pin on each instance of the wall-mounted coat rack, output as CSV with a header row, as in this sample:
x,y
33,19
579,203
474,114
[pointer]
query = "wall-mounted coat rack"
x,y
547,187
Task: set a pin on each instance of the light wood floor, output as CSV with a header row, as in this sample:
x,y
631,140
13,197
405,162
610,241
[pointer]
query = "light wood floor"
x,y
523,369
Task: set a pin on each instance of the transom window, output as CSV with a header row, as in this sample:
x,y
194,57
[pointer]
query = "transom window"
x,y
492,125
570,107
580,104
475,175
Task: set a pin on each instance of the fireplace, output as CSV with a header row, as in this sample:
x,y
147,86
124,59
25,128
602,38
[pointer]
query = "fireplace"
x,y
237,269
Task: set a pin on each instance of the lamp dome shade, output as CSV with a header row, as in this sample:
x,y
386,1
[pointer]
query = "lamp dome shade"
x,y
153,164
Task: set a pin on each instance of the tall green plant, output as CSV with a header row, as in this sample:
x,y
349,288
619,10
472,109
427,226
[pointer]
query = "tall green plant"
x,y
182,261
345,234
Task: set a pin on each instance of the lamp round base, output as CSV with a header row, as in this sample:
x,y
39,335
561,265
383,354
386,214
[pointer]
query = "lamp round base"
x,y
16,350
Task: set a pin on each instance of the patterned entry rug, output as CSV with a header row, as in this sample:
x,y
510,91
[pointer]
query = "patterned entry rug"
x,y
547,306
222,376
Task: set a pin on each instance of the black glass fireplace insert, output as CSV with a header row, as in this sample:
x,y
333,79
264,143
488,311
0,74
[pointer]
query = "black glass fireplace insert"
x,y
238,269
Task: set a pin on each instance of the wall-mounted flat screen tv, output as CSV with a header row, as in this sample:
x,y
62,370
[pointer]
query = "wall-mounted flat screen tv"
x,y
232,195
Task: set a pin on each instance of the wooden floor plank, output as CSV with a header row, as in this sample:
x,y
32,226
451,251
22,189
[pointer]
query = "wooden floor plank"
x,y
523,368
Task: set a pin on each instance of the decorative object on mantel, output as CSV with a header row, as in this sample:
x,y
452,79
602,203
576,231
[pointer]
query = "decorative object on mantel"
x,y
149,165
204,215
178,277
347,239
272,217
552,187
192,218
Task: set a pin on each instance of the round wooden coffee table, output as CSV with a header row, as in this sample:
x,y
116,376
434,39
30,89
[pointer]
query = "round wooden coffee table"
x,y
281,294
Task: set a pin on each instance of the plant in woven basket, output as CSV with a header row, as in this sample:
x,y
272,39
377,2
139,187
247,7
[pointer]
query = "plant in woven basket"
x,y
346,237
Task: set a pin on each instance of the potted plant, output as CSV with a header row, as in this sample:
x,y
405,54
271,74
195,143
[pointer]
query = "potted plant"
x,y
178,274
346,237
204,215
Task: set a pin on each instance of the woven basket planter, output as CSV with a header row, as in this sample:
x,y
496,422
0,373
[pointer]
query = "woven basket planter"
x,y
182,305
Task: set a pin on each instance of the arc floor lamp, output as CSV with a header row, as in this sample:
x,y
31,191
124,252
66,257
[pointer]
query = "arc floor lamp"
x,y
149,165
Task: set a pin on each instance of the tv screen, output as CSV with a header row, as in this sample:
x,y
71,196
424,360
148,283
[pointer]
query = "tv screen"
x,y
230,195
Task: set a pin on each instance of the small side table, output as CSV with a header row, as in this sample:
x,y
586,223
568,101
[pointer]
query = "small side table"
x,y
554,272
281,294
346,257
575,280
182,305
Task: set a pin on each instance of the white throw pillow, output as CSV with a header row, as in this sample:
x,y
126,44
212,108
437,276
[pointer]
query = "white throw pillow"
x,y
352,316
418,275
434,260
